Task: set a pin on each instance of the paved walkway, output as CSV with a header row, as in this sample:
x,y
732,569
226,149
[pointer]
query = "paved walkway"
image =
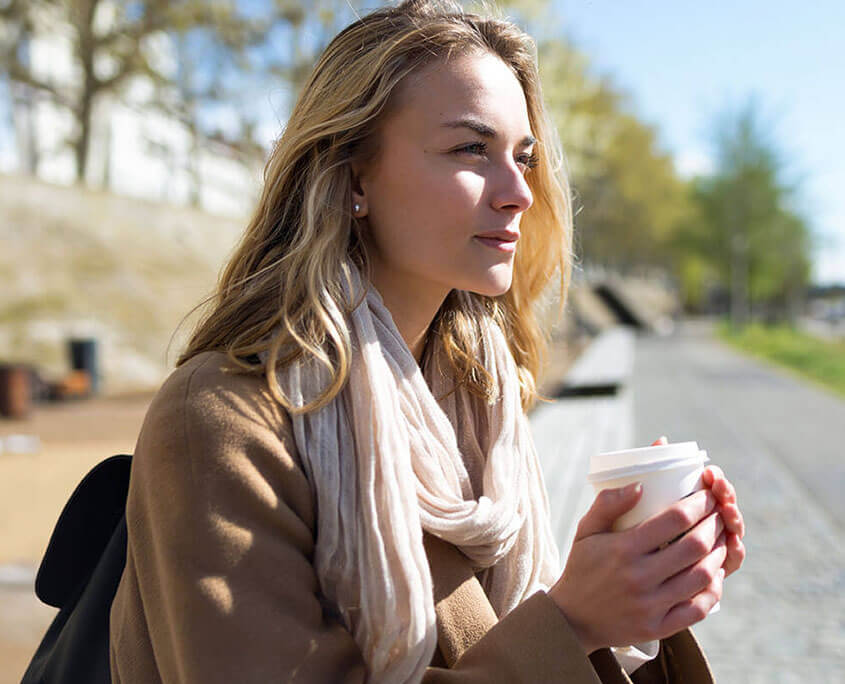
x,y
780,441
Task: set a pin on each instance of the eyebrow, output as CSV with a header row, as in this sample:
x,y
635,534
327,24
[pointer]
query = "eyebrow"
x,y
484,130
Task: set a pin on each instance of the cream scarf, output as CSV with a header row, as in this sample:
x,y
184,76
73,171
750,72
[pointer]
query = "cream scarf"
x,y
387,460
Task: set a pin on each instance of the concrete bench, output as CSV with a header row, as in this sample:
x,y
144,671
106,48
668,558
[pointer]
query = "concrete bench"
x,y
604,366
593,414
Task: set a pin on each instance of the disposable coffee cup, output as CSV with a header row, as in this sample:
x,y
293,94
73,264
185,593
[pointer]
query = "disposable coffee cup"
x,y
668,473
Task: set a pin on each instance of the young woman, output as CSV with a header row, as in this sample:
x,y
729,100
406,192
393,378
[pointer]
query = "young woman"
x,y
338,483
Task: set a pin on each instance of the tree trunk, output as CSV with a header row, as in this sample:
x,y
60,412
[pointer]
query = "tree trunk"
x,y
84,21
739,280
194,171
80,144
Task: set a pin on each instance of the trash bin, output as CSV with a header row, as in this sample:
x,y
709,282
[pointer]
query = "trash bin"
x,y
83,357
15,390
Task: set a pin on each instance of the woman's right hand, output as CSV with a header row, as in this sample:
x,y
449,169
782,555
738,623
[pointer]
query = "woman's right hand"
x,y
622,588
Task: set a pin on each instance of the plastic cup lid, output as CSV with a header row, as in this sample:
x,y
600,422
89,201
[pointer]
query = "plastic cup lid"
x,y
643,457
641,468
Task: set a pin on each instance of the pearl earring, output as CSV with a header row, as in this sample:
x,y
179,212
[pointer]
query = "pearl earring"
x,y
356,207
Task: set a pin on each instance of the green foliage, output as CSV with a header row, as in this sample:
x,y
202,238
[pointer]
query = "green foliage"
x,y
820,360
628,196
744,227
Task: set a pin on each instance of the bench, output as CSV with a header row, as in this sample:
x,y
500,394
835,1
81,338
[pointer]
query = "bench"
x,y
593,413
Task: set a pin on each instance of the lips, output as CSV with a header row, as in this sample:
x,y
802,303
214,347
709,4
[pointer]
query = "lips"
x,y
503,235
500,240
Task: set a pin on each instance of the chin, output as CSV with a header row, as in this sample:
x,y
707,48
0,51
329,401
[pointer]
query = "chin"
x,y
493,287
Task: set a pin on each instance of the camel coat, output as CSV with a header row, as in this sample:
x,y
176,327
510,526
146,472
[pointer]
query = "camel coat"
x,y
219,586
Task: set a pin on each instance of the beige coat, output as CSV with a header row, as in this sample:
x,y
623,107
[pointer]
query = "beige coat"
x,y
219,586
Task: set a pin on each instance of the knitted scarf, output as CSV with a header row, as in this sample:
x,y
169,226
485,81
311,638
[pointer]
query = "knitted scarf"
x,y
387,460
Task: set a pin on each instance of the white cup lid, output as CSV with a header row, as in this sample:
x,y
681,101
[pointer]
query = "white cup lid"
x,y
694,462
642,456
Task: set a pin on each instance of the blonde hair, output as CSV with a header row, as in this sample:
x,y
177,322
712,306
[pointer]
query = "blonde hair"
x,y
282,290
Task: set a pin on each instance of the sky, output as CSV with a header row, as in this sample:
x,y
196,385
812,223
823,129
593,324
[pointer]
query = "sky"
x,y
684,62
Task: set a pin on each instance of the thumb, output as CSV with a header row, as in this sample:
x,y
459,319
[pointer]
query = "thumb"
x,y
607,507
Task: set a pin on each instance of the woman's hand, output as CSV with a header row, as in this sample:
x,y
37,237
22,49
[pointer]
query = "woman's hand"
x,y
617,590
725,493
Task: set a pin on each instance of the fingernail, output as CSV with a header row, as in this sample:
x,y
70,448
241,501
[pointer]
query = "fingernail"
x,y
721,573
633,488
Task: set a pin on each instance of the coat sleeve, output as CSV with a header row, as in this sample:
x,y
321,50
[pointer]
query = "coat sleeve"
x,y
679,661
533,643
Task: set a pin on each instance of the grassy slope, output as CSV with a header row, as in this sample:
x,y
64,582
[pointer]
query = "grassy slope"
x,y
82,262
819,360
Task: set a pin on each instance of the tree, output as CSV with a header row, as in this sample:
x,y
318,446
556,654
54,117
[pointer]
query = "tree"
x,y
111,42
209,52
209,67
746,229
15,32
628,196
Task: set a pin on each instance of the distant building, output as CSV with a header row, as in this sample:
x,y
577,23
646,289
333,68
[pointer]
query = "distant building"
x,y
134,149
827,302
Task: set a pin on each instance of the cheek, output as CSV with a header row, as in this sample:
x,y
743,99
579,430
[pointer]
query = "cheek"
x,y
423,210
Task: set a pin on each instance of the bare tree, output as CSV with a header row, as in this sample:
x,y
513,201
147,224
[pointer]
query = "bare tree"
x,y
110,42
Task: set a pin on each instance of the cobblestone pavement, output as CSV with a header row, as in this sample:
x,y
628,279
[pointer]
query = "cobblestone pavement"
x,y
780,442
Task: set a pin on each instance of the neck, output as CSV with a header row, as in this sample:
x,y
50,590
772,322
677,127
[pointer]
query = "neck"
x,y
412,309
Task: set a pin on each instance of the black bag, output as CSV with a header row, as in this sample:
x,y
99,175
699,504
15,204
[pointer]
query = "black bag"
x,y
79,575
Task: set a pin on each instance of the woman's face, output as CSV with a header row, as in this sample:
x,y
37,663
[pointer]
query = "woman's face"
x,y
445,193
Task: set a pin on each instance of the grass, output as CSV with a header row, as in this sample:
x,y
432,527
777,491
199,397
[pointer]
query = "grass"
x,y
819,360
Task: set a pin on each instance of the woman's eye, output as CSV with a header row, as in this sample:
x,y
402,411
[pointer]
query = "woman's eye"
x,y
527,161
478,148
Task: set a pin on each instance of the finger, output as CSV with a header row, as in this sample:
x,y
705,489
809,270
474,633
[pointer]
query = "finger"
x,y
608,505
724,490
669,524
735,554
712,473
695,609
714,478
695,578
696,544
732,516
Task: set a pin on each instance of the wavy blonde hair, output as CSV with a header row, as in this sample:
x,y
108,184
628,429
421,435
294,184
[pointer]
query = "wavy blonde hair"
x,y
282,289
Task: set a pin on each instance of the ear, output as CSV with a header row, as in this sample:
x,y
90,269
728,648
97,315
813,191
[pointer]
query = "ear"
x,y
359,196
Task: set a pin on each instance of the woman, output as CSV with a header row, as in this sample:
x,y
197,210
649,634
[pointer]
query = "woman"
x,y
338,482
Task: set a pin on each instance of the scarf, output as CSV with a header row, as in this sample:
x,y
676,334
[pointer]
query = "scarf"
x,y
387,460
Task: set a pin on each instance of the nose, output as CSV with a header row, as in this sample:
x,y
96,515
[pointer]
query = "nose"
x,y
512,192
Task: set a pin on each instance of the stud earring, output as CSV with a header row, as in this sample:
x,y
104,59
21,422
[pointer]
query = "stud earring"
x,y
356,207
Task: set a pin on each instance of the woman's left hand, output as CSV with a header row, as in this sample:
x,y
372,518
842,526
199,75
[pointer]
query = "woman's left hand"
x,y
725,494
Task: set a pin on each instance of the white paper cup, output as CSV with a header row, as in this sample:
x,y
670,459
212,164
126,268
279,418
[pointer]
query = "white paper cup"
x,y
668,472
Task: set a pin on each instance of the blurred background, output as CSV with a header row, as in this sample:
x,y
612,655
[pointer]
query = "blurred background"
x,y
706,152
